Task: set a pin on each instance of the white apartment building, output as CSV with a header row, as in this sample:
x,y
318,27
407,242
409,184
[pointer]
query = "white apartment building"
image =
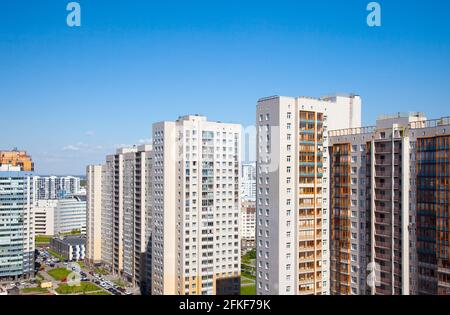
x,y
196,203
292,187
94,175
249,181
16,223
70,215
55,187
44,217
54,217
126,211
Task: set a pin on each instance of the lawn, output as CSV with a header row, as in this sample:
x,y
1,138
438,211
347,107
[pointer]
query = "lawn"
x,y
81,264
99,293
39,277
43,239
101,271
55,254
120,283
248,272
249,258
84,287
247,281
34,290
248,290
59,274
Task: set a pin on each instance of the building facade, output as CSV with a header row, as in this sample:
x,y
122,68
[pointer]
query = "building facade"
x,y
248,226
389,213
249,181
196,203
292,190
125,213
70,215
56,187
16,224
94,175
17,158
71,247
44,217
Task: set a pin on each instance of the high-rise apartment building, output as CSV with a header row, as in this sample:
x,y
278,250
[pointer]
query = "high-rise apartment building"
x,y
16,224
56,187
196,203
430,205
389,214
292,190
249,181
125,211
94,175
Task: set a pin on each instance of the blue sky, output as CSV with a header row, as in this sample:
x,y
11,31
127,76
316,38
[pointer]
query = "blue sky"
x,y
71,95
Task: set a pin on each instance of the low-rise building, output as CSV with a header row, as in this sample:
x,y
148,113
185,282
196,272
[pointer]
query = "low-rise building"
x,y
72,247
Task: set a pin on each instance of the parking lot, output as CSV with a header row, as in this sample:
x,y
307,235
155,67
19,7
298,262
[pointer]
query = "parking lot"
x,y
51,268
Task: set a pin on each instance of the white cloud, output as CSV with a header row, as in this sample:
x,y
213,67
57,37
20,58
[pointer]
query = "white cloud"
x,y
145,141
71,147
90,133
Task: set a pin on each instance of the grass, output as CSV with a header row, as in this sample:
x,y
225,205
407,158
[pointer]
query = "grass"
x,y
84,287
247,281
248,272
34,290
101,271
59,274
249,258
248,290
55,254
81,264
100,293
73,232
43,239
120,283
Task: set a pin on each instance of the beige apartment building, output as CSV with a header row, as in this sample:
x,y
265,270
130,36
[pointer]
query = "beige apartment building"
x,y
196,205
125,212
94,175
292,203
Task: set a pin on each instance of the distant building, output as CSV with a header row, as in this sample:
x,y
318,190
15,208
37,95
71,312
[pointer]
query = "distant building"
x,y
56,187
72,247
17,158
54,217
16,219
248,183
248,226
70,215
